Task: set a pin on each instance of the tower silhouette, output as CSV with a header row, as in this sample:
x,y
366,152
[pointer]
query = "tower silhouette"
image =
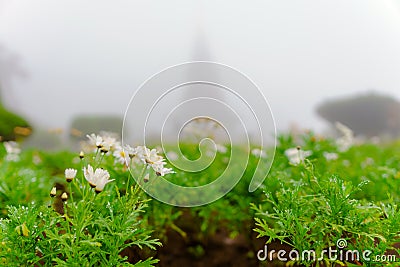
x,y
203,99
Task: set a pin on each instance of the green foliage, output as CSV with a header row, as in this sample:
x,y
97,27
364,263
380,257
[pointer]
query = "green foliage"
x,y
311,205
29,179
82,228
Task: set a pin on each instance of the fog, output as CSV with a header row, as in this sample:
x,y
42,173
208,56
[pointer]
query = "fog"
x,y
64,58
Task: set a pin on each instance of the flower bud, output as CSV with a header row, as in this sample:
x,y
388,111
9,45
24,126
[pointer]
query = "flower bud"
x,y
70,174
53,192
64,197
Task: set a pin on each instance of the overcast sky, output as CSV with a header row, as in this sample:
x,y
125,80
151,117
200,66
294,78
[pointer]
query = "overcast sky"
x,y
85,57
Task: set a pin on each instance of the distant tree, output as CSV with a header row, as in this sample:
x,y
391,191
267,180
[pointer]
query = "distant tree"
x,y
12,126
369,114
96,123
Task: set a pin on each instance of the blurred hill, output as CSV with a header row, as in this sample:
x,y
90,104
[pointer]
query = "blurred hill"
x,y
87,124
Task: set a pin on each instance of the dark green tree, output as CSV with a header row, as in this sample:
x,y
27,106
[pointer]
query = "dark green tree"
x,y
12,126
369,114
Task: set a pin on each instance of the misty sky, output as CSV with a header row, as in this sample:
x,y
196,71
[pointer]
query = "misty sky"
x,y
85,57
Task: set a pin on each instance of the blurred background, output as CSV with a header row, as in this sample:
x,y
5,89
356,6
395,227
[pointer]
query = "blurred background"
x,y
68,67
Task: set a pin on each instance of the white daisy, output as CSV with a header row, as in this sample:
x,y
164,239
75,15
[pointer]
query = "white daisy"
x,y
90,175
13,150
151,157
120,155
109,142
221,149
171,155
296,155
95,140
161,171
70,174
103,178
258,153
330,156
140,152
347,138
98,178
129,151
12,147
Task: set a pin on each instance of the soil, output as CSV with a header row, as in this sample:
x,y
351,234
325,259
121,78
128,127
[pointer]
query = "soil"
x,y
216,250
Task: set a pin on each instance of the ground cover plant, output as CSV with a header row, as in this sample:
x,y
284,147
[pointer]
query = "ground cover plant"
x,y
319,190
88,220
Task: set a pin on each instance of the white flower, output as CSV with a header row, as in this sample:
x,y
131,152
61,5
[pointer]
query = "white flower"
x,y
171,155
330,156
210,153
95,140
130,151
296,155
161,171
12,147
36,159
12,157
140,152
97,179
109,142
367,162
151,157
90,175
343,129
70,174
221,149
107,134
13,150
105,141
120,155
347,138
258,153
344,144
102,179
